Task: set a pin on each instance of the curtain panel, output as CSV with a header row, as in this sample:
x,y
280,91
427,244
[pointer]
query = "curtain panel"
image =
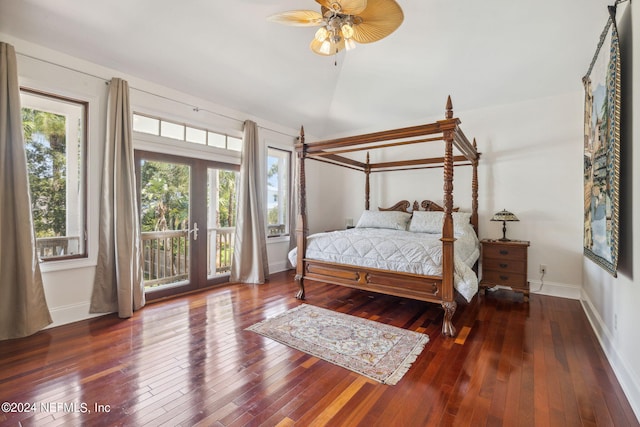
x,y
23,306
118,285
250,263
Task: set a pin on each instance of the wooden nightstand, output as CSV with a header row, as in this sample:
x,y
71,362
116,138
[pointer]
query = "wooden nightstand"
x,y
505,263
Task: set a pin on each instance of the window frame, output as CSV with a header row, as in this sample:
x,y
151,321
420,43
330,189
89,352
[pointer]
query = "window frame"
x,y
185,127
288,187
83,170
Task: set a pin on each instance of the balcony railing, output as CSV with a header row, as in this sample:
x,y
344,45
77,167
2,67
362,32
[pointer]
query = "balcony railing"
x,y
53,247
220,249
274,230
166,257
166,254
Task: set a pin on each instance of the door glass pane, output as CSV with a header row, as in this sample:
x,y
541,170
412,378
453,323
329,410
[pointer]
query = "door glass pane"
x,y
146,124
164,209
172,130
221,217
217,140
234,144
197,136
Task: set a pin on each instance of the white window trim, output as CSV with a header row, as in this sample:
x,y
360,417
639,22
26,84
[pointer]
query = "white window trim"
x,y
164,145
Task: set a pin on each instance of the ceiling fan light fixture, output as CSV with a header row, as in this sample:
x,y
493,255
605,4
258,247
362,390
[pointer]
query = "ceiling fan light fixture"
x,y
347,31
322,34
349,44
325,48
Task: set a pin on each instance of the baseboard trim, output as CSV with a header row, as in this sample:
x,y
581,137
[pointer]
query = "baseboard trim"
x,y
71,313
277,267
624,374
553,289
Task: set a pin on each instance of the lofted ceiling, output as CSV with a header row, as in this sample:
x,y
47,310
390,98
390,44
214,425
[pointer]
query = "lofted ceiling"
x,y
483,53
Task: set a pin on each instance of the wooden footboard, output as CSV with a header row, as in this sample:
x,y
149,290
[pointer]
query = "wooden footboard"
x,y
423,288
406,285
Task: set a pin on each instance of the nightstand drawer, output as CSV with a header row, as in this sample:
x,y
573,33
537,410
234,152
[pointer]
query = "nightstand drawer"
x,y
505,279
504,251
503,265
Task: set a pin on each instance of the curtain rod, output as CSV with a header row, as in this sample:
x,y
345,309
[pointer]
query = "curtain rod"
x,y
193,107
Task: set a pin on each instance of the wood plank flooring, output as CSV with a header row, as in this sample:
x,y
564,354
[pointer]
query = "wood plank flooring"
x,y
188,361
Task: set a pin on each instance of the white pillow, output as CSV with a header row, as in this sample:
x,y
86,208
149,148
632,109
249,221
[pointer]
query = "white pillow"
x,y
431,222
461,219
394,220
426,222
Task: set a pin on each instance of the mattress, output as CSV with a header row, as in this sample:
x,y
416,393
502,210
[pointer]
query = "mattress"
x,y
397,250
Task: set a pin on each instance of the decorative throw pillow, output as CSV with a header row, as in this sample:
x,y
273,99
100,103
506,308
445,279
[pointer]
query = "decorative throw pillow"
x,y
431,222
393,220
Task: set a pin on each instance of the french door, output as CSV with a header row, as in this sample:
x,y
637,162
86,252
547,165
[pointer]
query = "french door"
x,y
187,218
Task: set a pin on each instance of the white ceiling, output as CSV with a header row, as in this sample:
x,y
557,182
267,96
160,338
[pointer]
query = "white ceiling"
x,y
483,53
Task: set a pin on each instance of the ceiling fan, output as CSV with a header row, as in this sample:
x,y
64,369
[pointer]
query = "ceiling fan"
x,y
344,22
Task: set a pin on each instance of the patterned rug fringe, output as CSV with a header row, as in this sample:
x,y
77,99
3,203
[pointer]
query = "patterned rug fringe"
x,y
406,364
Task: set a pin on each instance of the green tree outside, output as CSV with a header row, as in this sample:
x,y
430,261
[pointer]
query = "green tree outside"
x,y
45,146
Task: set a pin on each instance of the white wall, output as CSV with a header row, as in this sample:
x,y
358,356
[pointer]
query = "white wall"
x,y
532,165
68,284
612,303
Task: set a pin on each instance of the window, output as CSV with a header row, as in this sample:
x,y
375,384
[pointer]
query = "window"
x,y
55,145
182,132
278,182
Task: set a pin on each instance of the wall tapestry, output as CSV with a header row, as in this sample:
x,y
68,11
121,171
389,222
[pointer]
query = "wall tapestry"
x,y
602,150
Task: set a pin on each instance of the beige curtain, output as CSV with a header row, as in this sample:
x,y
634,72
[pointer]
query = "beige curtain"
x,y
250,263
118,285
23,306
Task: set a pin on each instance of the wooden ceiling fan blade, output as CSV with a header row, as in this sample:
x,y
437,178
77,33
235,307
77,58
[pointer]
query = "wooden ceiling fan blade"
x,y
331,49
347,7
379,19
298,18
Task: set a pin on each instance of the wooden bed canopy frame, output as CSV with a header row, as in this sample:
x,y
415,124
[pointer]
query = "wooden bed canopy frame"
x,y
437,289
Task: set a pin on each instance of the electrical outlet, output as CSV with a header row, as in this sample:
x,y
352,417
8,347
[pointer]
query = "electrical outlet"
x,y
543,268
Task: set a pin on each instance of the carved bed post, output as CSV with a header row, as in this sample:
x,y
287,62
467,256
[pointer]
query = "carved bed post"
x,y
474,190
448,302
301,225
367,188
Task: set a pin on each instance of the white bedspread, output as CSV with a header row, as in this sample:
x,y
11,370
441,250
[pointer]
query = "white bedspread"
x,y
404,251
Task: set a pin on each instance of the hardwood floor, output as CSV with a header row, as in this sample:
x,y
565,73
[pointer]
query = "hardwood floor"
x,y
189,361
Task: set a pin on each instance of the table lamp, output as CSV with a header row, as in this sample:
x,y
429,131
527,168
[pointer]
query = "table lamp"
x,y
504,216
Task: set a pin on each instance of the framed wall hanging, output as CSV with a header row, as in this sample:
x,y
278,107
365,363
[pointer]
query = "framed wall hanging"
x,y
602,150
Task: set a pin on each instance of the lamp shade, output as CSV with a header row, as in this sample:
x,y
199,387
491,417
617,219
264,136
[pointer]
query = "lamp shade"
x,y
504,215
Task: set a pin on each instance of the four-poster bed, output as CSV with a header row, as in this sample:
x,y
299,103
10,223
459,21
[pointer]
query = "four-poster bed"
x,y
437,288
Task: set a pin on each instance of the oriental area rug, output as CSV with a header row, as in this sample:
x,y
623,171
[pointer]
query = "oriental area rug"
x,y
381,352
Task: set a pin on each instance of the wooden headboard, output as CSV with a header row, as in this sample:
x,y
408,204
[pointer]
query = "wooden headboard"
x,y
402,206
426,205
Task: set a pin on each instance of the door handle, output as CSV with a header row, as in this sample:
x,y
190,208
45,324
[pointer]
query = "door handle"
x,y
194,230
